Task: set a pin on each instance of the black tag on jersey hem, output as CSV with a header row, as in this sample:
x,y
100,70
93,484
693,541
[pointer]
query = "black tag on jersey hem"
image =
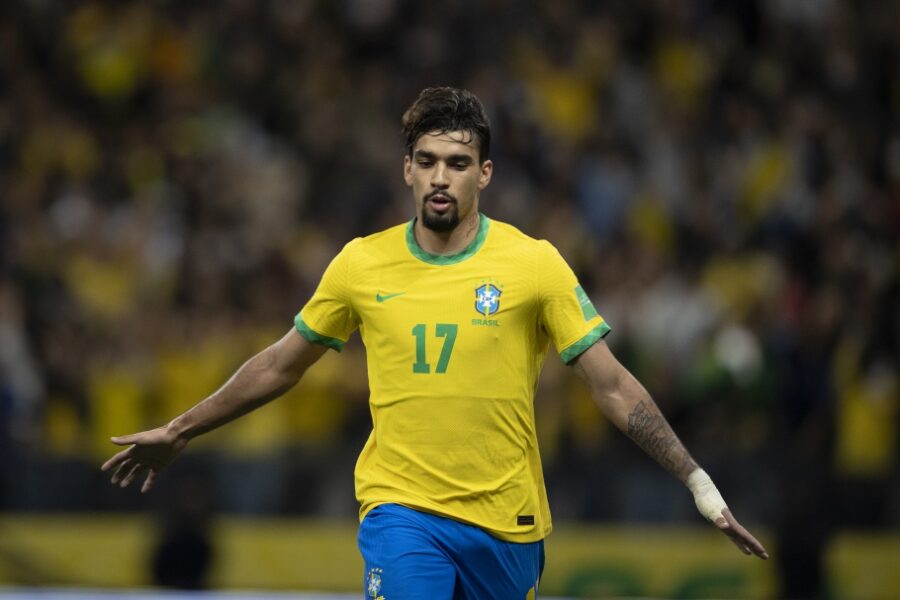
x,y
525,520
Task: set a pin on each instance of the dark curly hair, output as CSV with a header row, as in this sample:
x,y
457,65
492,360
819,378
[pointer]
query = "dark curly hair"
x,y
445,109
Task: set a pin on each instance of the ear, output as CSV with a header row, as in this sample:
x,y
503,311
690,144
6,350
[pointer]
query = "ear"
x,y
407,170
487,170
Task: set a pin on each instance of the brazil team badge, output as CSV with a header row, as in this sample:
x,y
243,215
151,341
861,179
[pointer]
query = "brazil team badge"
x,y
373,584
487,299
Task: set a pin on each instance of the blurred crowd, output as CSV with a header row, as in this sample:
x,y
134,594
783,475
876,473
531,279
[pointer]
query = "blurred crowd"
x,y
724,176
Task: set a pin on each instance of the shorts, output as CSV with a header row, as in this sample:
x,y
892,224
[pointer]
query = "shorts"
x,y
413,555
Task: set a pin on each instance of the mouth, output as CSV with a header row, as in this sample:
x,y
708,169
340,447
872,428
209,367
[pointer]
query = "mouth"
x,y
439,203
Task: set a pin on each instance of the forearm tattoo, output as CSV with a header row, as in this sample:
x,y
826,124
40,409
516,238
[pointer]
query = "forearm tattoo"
x,y
650,430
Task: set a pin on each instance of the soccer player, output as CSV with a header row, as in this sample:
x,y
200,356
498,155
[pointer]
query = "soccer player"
x,y
456,312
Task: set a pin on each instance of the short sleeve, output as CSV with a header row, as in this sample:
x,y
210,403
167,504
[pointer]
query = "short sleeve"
x,y
566,312
328,318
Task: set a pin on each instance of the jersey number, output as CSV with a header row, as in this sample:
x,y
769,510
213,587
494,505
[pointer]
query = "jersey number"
x,y
444,330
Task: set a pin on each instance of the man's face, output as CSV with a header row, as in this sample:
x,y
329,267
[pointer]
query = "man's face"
x,y
446,178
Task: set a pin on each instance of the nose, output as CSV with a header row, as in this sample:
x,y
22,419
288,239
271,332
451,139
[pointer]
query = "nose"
x,y
439,178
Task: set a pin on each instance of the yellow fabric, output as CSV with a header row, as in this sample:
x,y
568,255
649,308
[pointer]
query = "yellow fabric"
x,y
451,386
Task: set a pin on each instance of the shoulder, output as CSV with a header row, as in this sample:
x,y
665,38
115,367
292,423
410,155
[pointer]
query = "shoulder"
x,y
522,243
511,235
389,235
382,243
373,242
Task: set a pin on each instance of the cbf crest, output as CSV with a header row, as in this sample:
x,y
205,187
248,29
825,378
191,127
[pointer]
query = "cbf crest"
x,y
373,584
487,299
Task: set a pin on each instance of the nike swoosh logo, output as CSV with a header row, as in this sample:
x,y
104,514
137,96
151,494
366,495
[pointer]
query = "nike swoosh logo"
x,y
380,298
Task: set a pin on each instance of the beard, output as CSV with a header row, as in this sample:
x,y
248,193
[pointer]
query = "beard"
x,y
440,222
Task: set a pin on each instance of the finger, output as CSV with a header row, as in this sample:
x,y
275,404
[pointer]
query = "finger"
x,y
123,469
149,481
741,546
125,440
135,471
116,459
737,541
744,536
739,533
753,545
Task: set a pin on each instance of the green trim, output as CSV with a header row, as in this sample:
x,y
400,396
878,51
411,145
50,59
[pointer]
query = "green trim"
x,y
316,338
587,307
594,335
437,259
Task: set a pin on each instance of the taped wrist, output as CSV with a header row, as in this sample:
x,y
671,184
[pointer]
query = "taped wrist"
x,y
706,496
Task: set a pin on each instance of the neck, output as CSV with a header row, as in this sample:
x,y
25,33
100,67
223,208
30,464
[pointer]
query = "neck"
x,y
446,243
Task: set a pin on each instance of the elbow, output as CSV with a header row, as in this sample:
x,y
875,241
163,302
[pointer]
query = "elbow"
x,y
612,394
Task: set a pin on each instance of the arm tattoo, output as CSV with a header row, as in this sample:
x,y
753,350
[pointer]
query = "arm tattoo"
x,y
650,430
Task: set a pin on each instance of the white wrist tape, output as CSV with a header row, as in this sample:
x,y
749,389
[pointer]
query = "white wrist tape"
x,y
707,497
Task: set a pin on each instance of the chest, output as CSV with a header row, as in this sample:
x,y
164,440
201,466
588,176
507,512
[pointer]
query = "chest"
x,y
457,324
486,294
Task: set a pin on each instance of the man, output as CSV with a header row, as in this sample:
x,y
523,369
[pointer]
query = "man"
x,y
456,312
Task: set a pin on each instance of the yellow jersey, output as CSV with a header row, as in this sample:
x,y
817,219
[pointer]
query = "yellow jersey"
x,y
454,348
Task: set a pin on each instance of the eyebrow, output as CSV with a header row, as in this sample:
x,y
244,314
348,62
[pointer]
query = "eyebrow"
x,y
452,158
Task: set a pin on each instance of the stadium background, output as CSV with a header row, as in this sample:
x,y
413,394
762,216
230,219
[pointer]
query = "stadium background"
x,y
724,176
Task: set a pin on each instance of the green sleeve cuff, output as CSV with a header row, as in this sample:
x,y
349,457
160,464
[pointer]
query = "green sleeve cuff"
x,y
594,335
315,338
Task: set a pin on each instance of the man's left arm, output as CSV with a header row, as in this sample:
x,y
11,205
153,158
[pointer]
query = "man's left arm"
x,y
629,406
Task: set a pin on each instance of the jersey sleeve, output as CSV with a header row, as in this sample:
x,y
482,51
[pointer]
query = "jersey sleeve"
x,y
329,318
566,312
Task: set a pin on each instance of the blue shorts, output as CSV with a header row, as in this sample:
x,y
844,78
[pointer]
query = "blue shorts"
x,y
411,555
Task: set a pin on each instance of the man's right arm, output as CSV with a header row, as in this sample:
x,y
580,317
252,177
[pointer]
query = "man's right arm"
x,y
261,379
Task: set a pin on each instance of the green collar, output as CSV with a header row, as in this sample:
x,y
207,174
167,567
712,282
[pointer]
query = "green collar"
x,y
452,259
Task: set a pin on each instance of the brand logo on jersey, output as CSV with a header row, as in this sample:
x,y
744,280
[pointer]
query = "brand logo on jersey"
x,y
487,299
379,297
373,584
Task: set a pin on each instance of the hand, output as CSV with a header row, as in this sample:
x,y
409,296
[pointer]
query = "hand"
x,y
745,542
149,451
712,506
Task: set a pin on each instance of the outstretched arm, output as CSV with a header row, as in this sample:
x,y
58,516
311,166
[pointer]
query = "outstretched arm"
x,y
264,377
627,404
